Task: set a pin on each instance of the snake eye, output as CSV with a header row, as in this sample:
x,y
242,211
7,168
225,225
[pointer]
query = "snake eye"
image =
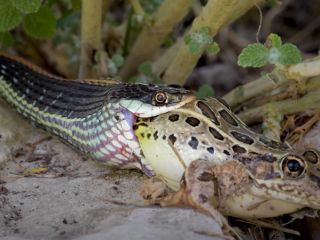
x,y
160,98
293,166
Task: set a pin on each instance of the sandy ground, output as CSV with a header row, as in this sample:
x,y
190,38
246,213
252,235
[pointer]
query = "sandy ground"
x,y
55,193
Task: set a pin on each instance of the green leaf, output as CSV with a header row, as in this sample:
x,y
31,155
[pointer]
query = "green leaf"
x,y
26,6
198,40
275,40
254,55
41,24
205,91
10,17
145,68
289,54
213,48
6,39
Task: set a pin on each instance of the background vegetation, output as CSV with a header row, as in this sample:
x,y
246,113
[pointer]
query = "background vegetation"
x,y
210,46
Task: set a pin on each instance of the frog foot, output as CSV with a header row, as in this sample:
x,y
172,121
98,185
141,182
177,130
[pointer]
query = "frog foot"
x,y
154,191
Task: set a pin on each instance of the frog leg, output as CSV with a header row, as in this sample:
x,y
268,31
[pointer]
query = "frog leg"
x,y
199,189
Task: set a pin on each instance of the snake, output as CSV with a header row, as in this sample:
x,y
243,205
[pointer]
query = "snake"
x,y
95,117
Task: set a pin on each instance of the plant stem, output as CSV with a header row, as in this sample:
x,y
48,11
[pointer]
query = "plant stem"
x,y
276,78
91,17
216,14
252,89
150,39
137,7
310,101
272,123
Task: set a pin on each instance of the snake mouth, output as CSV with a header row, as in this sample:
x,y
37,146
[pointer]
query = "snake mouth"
x,y
144,110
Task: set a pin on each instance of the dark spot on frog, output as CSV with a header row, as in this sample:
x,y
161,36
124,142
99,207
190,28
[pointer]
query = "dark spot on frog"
x,y
155,135
193,143
148,135
172,139
135,127
226,152
242,137
174,117
142,135
193,121
216,134
206,177
210,150
117,117
206,110
228,118
164,137
238,149
203,198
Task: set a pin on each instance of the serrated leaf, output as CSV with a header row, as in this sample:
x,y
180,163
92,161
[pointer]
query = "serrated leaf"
x,y
145,68
254,55
289,54
10,17
41,24
275,40
6,39
26,6
213,48
205,91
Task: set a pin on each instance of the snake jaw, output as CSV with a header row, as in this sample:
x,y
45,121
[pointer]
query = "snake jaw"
x,y
145,110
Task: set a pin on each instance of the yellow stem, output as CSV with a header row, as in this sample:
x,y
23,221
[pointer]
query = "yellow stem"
x,y
150,39
91,17
215,14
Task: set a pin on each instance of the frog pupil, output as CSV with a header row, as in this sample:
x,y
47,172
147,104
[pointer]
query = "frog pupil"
x,y
293,165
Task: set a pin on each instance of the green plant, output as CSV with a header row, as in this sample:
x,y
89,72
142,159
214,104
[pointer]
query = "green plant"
x,y
272,52
37,19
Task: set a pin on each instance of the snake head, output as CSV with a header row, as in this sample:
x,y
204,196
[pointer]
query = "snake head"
x,y
151,100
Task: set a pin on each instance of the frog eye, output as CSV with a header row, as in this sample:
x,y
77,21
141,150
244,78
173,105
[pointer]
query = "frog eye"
x,y
160,98
311,155
293,166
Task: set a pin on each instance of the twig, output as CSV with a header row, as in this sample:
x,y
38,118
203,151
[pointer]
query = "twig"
x,y
255,88
310,101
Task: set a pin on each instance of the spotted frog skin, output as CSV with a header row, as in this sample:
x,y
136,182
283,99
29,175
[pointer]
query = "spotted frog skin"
x,y
224,165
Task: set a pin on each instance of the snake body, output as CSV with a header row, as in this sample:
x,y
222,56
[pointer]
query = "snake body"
x,y
94,116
